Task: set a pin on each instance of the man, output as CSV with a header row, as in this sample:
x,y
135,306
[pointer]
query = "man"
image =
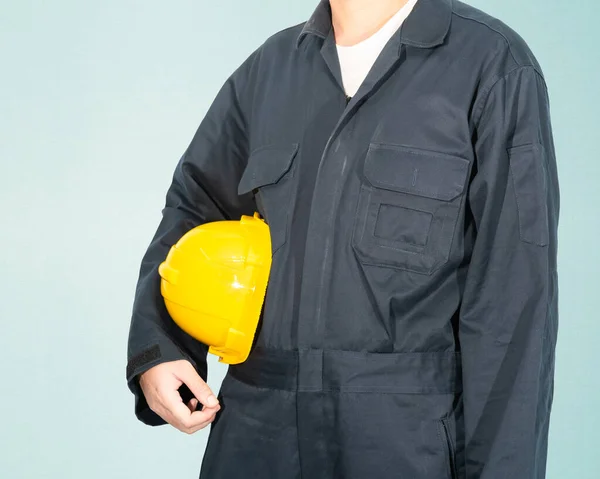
x,y
402,155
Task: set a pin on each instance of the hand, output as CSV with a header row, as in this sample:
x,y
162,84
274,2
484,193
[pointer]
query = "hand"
x,y
160,386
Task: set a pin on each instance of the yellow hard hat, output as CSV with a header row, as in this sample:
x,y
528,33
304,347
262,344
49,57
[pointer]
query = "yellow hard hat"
x,y
214,281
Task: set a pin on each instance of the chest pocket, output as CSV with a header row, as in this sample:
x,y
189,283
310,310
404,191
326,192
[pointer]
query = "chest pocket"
x,y
408,207
269,176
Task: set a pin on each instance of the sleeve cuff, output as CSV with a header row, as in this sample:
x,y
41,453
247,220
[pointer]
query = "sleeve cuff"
x,y
137,364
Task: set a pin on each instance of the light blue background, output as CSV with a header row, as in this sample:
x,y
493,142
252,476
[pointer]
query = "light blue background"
x,y
97,102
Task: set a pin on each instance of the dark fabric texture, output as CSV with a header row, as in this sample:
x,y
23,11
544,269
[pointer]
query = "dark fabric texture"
x,y
411,317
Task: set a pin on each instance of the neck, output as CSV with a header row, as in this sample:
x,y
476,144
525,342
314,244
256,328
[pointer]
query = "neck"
x,y
356,20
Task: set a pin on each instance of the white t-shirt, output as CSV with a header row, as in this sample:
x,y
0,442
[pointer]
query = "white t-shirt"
x,y
357,60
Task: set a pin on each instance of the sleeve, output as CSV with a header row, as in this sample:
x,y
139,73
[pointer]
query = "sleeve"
x,y
203,189
509,312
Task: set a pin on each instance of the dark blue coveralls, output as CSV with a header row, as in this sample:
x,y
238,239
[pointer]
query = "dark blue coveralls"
x,y
410,321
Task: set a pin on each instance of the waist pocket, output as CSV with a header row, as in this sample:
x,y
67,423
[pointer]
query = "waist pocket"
x,y
269,175
408,207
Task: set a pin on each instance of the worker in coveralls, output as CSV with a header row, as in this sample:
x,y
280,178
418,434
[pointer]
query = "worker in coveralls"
x,y
402,155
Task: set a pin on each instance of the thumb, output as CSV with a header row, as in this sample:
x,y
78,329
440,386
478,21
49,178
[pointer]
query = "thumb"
x,y
197,385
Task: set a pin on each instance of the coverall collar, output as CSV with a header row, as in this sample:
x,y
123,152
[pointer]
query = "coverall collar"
x,y
425,27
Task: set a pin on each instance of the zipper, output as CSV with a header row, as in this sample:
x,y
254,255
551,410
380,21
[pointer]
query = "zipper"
x,y
318,320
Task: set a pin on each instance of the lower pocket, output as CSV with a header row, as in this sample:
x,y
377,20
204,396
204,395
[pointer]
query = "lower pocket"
x,y
446,435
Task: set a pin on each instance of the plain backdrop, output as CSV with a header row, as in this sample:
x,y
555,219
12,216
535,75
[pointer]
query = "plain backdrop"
x,y
98,100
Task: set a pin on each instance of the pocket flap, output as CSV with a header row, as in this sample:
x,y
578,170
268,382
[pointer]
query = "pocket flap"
x,y
266,165
418,172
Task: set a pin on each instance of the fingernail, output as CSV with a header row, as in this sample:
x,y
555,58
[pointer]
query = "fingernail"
x,y
212,401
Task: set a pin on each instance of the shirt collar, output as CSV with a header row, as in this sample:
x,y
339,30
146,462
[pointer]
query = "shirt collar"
x,y
426,25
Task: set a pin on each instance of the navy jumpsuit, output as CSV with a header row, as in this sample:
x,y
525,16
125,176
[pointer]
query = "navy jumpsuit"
x,y
410,321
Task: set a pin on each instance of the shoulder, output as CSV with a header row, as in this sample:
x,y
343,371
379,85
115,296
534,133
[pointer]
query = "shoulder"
x,y
277,47
499,43
281,42
284,38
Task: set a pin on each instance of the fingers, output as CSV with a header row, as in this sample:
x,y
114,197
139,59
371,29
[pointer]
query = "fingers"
x,y
160,385
182,417
192,404
200,426
188,375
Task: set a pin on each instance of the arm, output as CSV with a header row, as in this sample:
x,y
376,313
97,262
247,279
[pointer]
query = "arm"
x,y
509,316
203,189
